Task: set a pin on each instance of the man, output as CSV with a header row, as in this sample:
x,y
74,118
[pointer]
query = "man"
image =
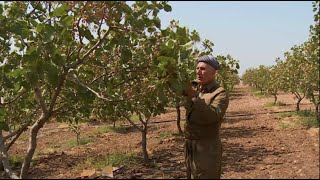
x,y
205,109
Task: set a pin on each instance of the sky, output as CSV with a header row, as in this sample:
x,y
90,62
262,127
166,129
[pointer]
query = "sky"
x,y
253,32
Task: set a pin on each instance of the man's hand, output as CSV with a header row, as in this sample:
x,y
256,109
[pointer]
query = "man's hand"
x,y
190,90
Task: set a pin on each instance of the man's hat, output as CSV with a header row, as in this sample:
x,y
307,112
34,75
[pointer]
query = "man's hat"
x,y
212,61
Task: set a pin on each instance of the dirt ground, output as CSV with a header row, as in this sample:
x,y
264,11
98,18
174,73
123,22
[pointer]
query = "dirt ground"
x,y
255,145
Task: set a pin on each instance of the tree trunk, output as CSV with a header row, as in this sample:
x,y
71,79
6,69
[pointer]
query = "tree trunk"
x,y
318,104
15,134
299,97
144,144
1,166
275,98
5,159
317,112
32,145
178,118
143,131
298,104
78,138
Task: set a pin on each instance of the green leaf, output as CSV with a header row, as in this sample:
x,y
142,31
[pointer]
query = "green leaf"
x,y
15,73
140,23
25,32
182,34
16,28
127,9
155,12
7,82
164,32
40,27
98,52
60,11
86,33
170,43
163,62
48,33
58,59
67,21
30,50
188,45
167,8
4,126
52,73
17,86
126,55
35,70
157,22
2,113
1,8
176,86
151,29
148,22
33,23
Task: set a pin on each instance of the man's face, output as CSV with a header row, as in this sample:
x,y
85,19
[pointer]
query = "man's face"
x,y
205,73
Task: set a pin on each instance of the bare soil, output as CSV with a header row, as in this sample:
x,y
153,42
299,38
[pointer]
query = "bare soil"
x,y
255,145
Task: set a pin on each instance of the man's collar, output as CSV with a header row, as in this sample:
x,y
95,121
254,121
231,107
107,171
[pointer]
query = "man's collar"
x,y
210,86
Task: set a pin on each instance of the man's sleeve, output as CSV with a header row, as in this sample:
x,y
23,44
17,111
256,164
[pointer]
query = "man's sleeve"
x,y
214,111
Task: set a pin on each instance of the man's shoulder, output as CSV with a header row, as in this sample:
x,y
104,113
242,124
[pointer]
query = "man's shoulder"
x,y
218,90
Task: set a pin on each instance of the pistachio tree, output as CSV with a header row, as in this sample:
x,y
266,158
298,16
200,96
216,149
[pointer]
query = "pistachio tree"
x,y
48,50
124,76
294,74
257,77
313,49
276,80
248,77
178,54
227,75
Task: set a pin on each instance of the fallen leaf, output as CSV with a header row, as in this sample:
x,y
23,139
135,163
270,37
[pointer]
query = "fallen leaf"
x,y
107,171
91,173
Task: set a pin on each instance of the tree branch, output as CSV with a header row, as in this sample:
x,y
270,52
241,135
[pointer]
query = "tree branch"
x,y
13,100
40,99
99,29
97,78
14,133
132,123
57,91
76,80
80,60
97,44
29,14
18,134
78,25
127,81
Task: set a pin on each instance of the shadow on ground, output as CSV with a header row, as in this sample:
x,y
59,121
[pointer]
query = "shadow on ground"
x,y
236,94
234,155
44,166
